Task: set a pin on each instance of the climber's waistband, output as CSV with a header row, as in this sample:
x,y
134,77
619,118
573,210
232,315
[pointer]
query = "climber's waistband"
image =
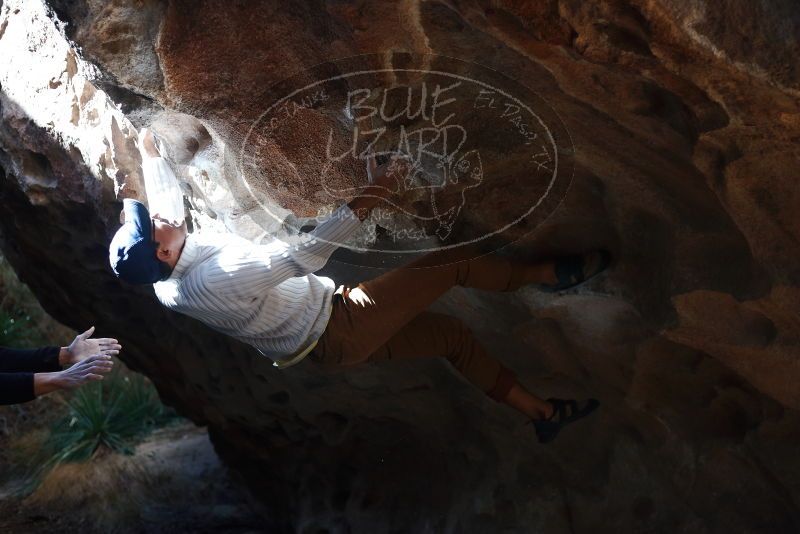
x,y
342,291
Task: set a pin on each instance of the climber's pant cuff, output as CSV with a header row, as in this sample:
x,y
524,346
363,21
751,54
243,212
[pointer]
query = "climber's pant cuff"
x,y
505,381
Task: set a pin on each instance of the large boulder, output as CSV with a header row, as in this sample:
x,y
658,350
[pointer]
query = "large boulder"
x,y
683,120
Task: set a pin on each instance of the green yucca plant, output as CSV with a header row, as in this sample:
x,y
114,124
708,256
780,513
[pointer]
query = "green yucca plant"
x,y
106,415
111,416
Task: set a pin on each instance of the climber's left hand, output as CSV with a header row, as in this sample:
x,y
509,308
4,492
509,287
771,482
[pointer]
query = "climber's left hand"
x,y
147,143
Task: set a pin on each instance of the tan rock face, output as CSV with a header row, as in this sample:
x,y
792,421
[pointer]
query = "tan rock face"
x,y
683,121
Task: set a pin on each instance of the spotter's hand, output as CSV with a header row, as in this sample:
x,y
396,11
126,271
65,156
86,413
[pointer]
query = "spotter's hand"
x,y
83,346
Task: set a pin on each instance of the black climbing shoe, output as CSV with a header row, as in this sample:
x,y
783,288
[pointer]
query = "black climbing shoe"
x,y
565,411
575,269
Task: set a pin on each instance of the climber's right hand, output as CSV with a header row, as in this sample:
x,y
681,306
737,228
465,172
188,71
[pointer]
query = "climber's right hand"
x,y
390,175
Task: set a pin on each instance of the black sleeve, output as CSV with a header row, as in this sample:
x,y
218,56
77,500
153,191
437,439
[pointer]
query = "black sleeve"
x,y
43,360
16,388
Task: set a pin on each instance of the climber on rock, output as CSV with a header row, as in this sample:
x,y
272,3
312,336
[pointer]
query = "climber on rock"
x,y
267,295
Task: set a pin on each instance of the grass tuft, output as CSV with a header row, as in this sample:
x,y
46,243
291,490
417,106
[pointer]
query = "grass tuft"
x,y
106,416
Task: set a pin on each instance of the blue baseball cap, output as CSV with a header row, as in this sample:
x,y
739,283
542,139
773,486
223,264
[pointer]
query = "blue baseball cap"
x,y
132,252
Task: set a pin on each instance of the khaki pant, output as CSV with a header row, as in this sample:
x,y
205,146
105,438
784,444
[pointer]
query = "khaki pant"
x,y
386,318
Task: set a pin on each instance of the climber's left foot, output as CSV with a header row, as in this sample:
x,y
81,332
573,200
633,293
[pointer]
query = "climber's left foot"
x,y
565,411
577,268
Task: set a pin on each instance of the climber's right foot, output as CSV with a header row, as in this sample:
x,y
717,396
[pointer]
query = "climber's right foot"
x,y
565,411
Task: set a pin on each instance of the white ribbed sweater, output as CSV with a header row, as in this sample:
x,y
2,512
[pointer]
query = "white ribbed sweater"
x,y
264,295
